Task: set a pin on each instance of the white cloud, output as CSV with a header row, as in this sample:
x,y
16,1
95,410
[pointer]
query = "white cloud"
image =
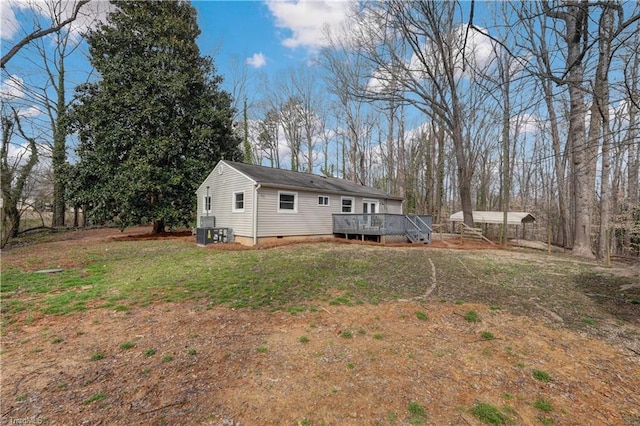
x,y
525,123
307,20
258,60
479,49
11,88
17,16
9,25
379,81
472,50
29,112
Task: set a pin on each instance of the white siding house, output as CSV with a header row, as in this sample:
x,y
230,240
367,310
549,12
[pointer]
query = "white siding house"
x,y
262,203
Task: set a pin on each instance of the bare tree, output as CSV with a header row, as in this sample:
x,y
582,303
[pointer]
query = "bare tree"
x,y
268,137
57,23
344,65
16,166
291,118
600,120
417,52
537,36
46,89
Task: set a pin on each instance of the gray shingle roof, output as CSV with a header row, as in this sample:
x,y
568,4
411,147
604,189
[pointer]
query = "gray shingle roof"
x,y
288,179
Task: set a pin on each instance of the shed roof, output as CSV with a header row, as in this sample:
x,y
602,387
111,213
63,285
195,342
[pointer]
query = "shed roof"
x,y
513,218
288,179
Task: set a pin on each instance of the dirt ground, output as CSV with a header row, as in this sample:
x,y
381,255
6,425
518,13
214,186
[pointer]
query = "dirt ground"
x,y
188,363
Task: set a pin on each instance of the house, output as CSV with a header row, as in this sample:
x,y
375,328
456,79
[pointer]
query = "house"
x,y
262,203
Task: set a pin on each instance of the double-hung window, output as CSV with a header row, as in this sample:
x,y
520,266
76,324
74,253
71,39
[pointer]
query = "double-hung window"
x,y
347,205
238,202
287,202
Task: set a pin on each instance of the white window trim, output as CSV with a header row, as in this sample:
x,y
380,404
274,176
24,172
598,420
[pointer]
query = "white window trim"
x,y
204,203
233,202
323,197
295,202
353,204
372,201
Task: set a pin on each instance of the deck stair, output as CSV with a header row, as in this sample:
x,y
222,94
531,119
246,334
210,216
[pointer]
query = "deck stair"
x,y
417,231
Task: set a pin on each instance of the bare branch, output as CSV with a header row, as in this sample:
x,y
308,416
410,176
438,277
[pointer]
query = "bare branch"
x,y
41,33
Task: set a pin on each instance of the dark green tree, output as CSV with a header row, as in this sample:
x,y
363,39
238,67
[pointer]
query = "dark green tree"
x,y
154,124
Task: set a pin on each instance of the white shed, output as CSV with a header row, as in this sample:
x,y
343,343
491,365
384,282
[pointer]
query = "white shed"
x,y
513,218
497,218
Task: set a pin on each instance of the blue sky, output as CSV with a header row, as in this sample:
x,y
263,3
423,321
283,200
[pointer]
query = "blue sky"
x,y
264,37
247,39
239,31
254,37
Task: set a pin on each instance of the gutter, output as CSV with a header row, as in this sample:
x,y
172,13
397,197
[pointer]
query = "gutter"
x,y
256,187
333,192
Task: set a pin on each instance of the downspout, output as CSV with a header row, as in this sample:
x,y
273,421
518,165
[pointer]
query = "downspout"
x,y
256,187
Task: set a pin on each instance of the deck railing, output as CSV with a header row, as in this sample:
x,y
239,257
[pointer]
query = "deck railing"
x,y
415,227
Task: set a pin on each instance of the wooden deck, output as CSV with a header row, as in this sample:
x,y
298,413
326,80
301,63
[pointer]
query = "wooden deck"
x,y
383,227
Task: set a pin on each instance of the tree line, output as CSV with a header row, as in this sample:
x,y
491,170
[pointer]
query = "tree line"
x,y
529,106
535,109
148,128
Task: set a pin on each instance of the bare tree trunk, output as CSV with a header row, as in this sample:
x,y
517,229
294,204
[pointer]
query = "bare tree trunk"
x,y
537,34
505,77
631,137
440,173
600,110
13,176
576,21
59,157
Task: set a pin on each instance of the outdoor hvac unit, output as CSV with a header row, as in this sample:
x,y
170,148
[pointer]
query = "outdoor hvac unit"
x,y
206,236
207,221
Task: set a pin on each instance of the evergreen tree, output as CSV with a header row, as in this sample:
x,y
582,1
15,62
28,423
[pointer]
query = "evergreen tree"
x,y
154,124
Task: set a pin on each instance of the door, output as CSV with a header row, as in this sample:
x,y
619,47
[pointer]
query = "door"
x,y
369,207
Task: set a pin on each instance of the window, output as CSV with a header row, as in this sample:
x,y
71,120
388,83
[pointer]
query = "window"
x,y
287,202
323,200
207,204
347,205
238,202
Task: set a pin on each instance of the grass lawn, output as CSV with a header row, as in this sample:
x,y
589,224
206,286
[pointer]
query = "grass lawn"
x,y
123,274
143,331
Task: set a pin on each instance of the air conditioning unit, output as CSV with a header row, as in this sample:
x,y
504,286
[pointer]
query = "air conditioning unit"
x,y
207,221
206,236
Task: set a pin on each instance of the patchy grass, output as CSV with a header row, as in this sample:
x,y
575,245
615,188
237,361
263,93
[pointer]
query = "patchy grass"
x,y
488,413
93,398
346,334
97,356
542,376
293,278
487,335
472,316
417,413
126,345
422,316
543,404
